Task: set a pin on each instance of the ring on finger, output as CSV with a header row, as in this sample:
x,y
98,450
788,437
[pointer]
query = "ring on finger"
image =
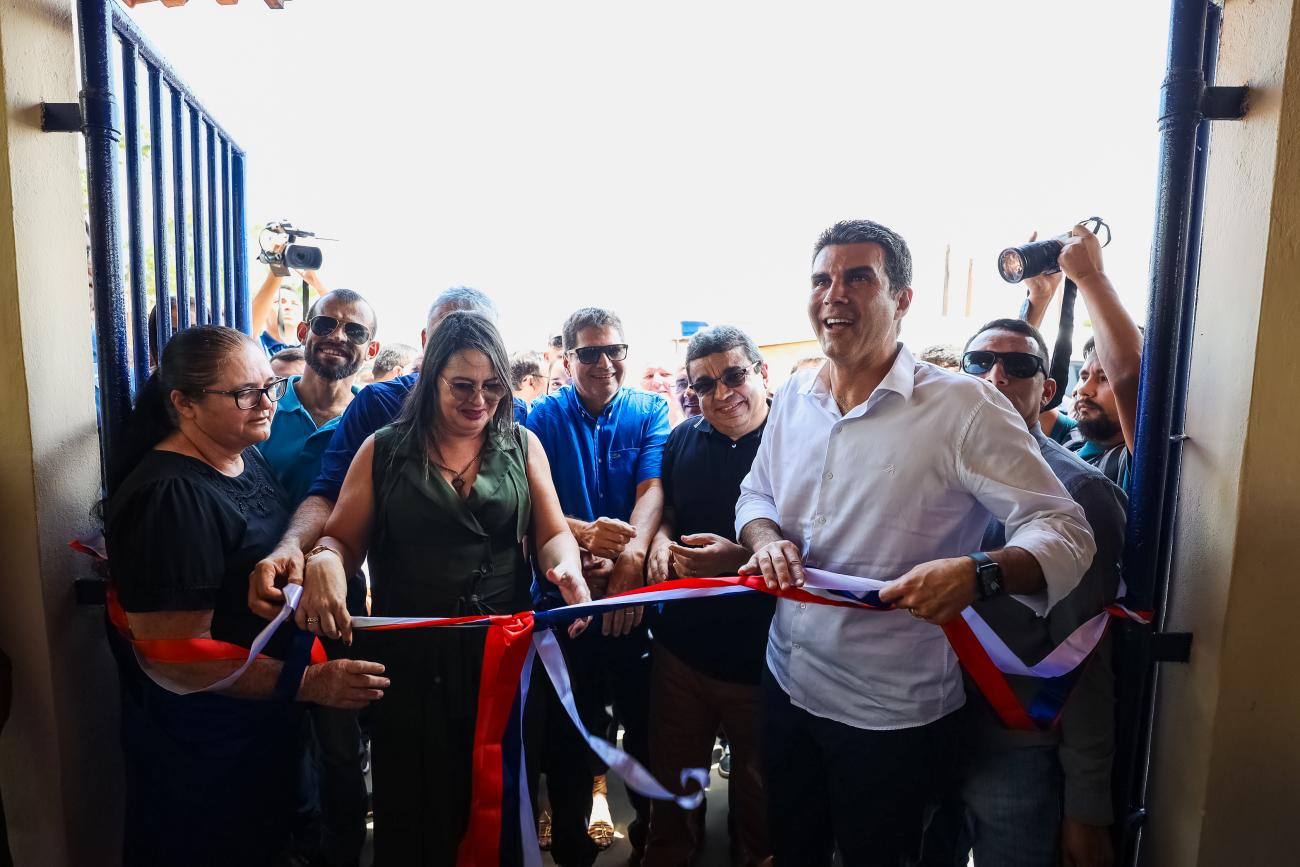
x,y
313,620
918,615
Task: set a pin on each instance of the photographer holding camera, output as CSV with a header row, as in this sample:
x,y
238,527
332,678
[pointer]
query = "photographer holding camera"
x,y
1105,404
277,306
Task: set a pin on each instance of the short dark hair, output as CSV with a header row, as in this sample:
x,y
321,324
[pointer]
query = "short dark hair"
x,y
524,364
394,355
720,338
290,353
1018,326
589,317
348,297
557,342
898,258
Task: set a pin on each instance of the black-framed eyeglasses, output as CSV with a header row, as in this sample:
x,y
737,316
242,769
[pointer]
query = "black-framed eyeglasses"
x,y
732,377
592,354
1021,365
465,391
324,326
250,398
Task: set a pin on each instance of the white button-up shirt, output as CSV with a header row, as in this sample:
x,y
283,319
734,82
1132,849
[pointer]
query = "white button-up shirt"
x,y
910,476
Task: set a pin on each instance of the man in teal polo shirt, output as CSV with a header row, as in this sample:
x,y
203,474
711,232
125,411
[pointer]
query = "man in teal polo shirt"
x,y
337,339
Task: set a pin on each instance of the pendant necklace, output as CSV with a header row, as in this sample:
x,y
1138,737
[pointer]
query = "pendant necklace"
x,y
457,479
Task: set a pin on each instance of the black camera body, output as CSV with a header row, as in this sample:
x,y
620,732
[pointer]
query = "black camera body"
x,y
1039,257
293,256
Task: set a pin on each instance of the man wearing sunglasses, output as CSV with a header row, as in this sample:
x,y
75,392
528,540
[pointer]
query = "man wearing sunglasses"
x,y
883,467
605,444
708,653
337,338
1039,797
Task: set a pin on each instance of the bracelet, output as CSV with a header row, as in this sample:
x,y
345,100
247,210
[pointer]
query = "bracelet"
x,y
321,549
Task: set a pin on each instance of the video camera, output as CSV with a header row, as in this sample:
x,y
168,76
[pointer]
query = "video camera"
x,y
1039,257
292,255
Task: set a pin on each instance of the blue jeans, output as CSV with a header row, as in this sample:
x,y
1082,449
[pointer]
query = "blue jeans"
x,y
1008,812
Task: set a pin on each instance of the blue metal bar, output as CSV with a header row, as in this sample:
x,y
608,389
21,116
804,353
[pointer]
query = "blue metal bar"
x,y
1162,396
242,313
139,315
161,279
214,252
203,314
227,242
127,29
178,204
99,124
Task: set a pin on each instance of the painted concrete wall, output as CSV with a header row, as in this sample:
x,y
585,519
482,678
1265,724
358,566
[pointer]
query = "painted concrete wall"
x,y
1226,770
59,761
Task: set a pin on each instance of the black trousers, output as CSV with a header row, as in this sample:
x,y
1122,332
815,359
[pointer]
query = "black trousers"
x,y
832,786
603,671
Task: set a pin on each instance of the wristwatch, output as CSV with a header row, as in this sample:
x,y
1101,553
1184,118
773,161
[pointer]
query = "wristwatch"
x,y
988,576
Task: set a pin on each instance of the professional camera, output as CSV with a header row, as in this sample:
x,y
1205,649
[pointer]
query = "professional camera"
x,y
291,255
1039,257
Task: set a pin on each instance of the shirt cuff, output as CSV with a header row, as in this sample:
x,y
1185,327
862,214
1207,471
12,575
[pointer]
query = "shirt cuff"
x,y
751,508
1062,557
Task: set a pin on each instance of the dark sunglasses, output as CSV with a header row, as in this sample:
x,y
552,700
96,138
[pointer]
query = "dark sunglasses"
x,y
592,354
465,391
249,398
1021,365
732,377
324,326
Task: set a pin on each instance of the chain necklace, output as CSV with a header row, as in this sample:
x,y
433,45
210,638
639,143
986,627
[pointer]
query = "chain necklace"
x,y
458,479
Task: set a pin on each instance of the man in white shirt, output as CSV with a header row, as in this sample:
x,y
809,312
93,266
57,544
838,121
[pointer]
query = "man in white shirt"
x,y
882,467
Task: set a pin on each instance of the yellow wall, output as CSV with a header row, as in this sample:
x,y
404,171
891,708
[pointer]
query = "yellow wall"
x,y
59,762
1226,769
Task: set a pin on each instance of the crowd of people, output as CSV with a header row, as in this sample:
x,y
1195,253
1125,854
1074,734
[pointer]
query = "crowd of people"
x,y
460,479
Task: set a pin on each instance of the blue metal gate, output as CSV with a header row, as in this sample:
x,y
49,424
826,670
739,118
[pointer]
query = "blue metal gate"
x,y
200,262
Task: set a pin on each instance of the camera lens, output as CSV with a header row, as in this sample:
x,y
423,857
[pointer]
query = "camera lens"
x,y
1011,265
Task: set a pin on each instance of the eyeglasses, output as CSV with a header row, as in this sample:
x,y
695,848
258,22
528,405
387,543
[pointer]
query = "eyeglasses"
x,y
324,326
732,377
465,391
592,354
1021,365
250,398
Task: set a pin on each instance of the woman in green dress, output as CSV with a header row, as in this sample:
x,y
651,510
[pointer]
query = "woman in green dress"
x,y
447,503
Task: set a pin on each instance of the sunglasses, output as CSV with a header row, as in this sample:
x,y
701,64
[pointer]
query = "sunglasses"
x,y
324,326
249,398
465,391
732,377
1021,365
592,354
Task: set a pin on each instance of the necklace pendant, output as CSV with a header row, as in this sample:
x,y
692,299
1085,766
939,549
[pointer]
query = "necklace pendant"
x,y
457,483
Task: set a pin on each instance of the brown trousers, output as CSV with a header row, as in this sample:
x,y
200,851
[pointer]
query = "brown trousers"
x,y
686,710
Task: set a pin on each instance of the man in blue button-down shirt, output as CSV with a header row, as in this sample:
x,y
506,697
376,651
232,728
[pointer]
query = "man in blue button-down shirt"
x,y
605,444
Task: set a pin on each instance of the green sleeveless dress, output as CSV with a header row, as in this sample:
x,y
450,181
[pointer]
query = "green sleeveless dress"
x,y
433,553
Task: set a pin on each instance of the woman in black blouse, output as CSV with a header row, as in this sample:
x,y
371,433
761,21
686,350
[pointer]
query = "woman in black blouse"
x,y
210,776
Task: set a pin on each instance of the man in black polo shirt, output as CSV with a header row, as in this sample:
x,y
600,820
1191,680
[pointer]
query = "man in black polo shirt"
x,y
709,654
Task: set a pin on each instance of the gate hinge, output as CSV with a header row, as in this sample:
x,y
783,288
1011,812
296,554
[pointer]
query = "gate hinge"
x,y
1171,646
60,117
1223,103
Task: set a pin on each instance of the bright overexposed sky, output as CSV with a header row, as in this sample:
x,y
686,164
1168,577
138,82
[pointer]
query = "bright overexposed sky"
x,y
677,160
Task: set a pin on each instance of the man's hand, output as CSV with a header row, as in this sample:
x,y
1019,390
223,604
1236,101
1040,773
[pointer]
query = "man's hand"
x,y
282,566
323,608
349,684
1080,258
779,563
1085,845
606,537
629,573
658,563
936,591
1041,290
597,571
703,555
575,592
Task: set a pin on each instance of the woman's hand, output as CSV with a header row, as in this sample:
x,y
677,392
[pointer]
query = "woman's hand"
x,y
574,590
347,684
323,607
704,555
659,563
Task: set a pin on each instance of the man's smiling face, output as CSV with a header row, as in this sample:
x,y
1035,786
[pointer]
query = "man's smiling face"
x,y
853,309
